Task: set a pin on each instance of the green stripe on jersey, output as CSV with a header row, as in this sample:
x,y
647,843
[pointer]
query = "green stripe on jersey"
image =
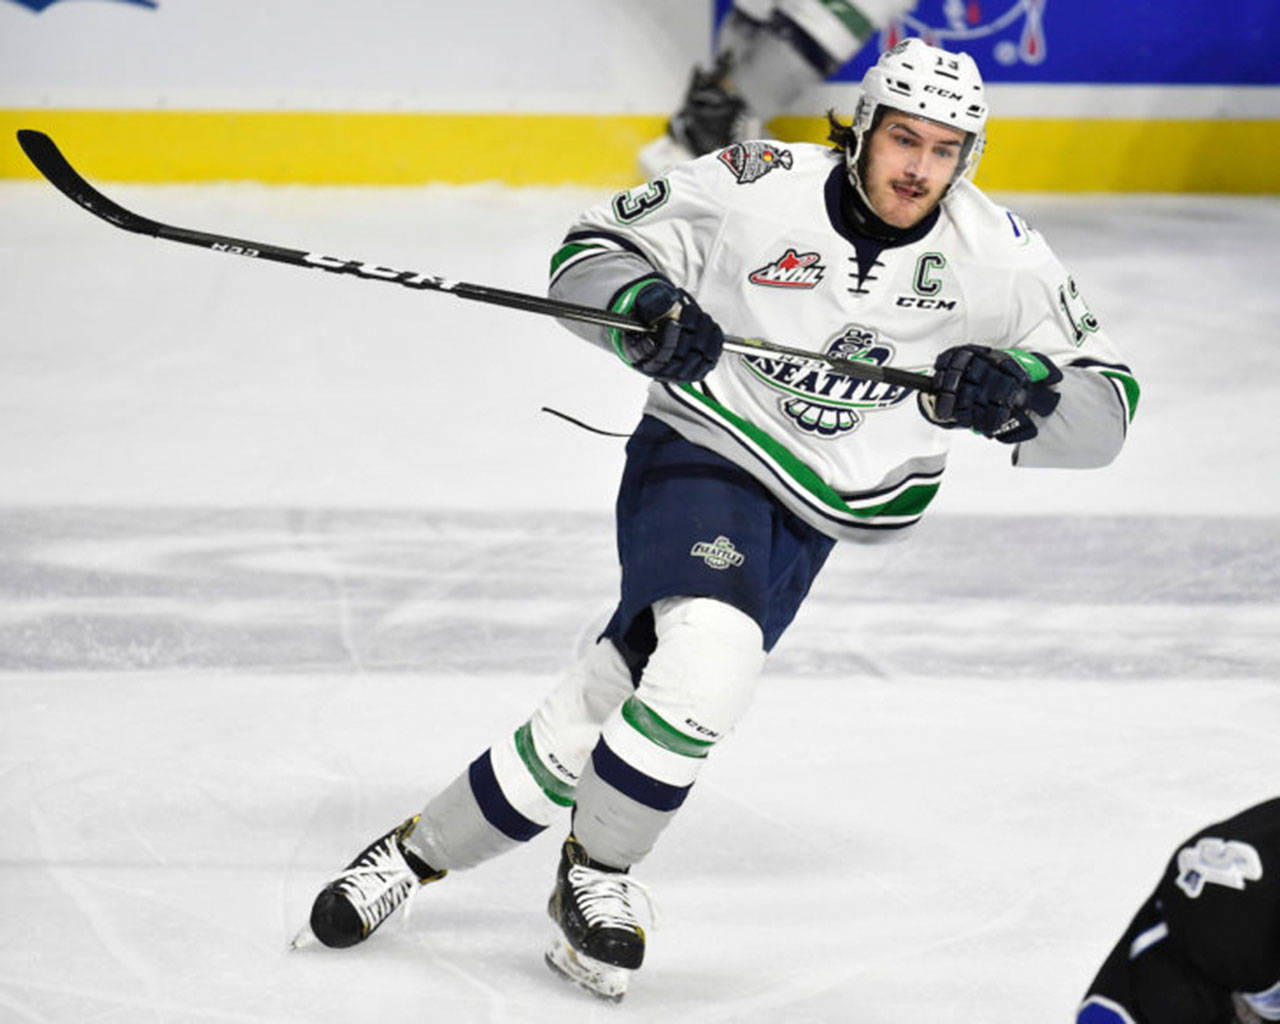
x,y
910,502
1131,390
623,304
567,252
557,790
854,20
653,727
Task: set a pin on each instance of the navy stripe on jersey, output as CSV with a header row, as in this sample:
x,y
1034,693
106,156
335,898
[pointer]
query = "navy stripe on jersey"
x,y
932,474
581,247
634,783
618,240
495,806
1089,363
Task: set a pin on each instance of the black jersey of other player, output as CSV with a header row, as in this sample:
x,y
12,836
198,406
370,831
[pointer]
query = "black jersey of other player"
x,y
1210,930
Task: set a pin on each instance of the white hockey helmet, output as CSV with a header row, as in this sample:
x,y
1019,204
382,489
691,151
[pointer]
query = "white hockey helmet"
x,y
927,82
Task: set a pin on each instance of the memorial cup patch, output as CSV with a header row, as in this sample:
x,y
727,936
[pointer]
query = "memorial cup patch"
x,y
751,161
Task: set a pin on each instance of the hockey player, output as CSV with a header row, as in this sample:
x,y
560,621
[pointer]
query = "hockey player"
x,y
1205,947
768,52
744,471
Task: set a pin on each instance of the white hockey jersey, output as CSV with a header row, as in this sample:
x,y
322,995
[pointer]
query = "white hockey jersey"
x,y
755,234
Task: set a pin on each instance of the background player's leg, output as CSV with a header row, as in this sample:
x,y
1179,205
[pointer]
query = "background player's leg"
x,y
767,55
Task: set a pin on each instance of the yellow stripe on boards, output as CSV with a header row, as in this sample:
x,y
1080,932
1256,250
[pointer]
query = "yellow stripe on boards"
x,y
1023,154
337,148
1105,155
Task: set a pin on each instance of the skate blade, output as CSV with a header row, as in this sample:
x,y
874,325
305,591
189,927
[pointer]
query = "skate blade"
x,y
600,979
305,937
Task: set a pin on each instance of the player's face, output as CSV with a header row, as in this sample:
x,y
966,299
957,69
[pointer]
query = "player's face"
x,y
910,162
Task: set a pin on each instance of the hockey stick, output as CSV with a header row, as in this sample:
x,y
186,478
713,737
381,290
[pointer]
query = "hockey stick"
x,y
49,161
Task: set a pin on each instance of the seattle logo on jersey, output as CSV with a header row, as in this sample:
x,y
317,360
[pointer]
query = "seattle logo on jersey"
x,y
958,24
751,161
790,270
40,5
823,402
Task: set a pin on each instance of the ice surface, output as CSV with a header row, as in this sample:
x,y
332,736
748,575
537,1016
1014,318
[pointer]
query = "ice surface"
x,y
281,552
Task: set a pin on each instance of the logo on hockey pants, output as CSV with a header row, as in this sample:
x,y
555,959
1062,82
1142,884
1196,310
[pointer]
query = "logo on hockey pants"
x,y
718,554
1223,862
751,161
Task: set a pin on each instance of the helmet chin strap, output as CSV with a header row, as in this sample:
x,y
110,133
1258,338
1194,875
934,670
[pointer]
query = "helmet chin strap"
x,y
855,178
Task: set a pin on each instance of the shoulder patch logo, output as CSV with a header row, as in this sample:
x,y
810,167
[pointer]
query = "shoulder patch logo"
x,y
718,554
790,270
1223,862
751,161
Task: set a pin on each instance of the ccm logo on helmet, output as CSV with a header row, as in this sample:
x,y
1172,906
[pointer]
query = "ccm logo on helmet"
x,y
946,94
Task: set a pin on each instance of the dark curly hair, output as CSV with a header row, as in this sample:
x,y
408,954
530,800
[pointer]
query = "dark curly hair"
x,y
839,134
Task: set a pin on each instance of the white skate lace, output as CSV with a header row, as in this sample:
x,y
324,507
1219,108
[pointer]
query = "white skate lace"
x,y
376,890
606,898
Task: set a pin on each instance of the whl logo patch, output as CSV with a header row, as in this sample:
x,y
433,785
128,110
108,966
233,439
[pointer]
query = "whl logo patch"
x,y
751,161
791,270
1221,862
718,554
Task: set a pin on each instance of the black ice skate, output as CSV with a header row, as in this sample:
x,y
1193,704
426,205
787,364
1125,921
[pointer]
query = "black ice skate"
x,y
599,942
351,907
710,118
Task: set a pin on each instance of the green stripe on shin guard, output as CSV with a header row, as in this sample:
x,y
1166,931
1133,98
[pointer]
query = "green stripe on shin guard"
x,y
556,789
654,728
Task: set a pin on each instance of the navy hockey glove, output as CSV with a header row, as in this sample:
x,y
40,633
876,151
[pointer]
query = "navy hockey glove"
x,y
992,391
686,343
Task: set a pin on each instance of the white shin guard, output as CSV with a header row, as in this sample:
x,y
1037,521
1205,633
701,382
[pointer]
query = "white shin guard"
x,y
698,683
702,676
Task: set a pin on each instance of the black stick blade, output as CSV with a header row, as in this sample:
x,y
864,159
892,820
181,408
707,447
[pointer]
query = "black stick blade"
x,y
44,153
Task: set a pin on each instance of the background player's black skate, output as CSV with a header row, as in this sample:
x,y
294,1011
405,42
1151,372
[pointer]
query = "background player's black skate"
x,y
600,942
710,118
384,875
